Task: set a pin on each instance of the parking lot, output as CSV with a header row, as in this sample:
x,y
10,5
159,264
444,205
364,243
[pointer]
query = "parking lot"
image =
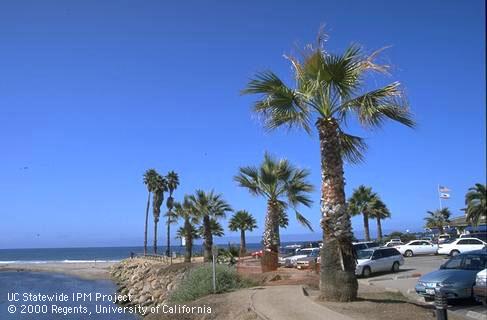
x,y
405,280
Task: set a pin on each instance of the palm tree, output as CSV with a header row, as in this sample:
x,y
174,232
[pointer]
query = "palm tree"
x,y
475,200
379,211
149,179
172,179
216,229
209,206
282,185
328,89
160,186
359,203
243,221
438,219
186,211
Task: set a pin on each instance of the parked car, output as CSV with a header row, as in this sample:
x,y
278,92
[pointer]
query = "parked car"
x,y
357,246
290,262
257,254
460,246
306,262
393,244
443,238
378,259
417,247
286,252
479,235
480,287
456,276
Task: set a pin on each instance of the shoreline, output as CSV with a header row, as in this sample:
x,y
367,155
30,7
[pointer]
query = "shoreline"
x,y
84,270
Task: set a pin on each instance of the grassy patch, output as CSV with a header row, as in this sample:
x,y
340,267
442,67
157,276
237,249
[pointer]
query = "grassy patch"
x,y
199,283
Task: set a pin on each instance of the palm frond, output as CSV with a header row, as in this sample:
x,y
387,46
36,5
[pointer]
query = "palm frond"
x,y
302,220
374,107
352,147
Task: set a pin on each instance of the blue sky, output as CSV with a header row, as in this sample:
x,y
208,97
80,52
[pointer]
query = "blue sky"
x,y
92,93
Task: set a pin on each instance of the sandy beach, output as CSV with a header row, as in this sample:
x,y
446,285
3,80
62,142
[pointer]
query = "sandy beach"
x,y
84,270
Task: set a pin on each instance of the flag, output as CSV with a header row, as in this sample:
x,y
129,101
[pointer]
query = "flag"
x,y
443,189
444,195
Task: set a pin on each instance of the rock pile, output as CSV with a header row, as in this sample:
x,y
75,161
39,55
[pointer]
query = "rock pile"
x,y
149,283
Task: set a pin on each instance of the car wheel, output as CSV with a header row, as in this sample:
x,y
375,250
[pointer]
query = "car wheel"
x,y
454,253
395,267
408,253
366,272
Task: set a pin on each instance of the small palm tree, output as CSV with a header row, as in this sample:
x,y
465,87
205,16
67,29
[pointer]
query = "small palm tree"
x,y
379,211
329,89
160,186
476,202
149,179
438,219
282,185
359,203
209,206
242,221
187,212
172,179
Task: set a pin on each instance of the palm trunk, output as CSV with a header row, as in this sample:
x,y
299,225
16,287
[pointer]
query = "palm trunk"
x,y
379,230
189,241
337,278
155,236
366,226
208,239
242,243
270,239
168,250
146,223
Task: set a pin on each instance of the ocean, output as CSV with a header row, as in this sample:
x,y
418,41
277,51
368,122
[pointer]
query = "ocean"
x,y
99,254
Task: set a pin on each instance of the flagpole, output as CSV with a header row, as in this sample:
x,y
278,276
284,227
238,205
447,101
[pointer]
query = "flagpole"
x,y
439,197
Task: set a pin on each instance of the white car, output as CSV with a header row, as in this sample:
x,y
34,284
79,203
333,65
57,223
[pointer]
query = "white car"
x,y
291,261
393,244
417,247
377,260
461,245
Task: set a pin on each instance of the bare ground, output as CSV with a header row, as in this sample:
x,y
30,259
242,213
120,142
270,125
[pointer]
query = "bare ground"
x,y
374,303
234,305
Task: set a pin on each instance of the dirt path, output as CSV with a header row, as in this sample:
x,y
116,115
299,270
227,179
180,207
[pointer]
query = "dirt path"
x,y
289,303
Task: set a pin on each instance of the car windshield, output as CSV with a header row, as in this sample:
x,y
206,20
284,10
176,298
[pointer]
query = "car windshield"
x,y
467,262
365,254
303,252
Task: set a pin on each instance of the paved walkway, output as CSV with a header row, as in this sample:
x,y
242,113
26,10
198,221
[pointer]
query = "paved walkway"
x,y
289,303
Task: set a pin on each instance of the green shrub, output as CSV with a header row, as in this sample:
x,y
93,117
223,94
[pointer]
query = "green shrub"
x,y
199,283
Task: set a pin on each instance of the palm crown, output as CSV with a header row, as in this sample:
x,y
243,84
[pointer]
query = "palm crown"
x,y
476,201
150,179
242,220
327,88
378,209
278,180
438,218
210,204
361,200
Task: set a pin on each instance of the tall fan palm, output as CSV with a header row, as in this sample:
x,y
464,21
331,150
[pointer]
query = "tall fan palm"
x,y
438,219
379,211
242,221
187,212
149,181
209,206
329,88
359,203
475,200
283,186
160,186
172,179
